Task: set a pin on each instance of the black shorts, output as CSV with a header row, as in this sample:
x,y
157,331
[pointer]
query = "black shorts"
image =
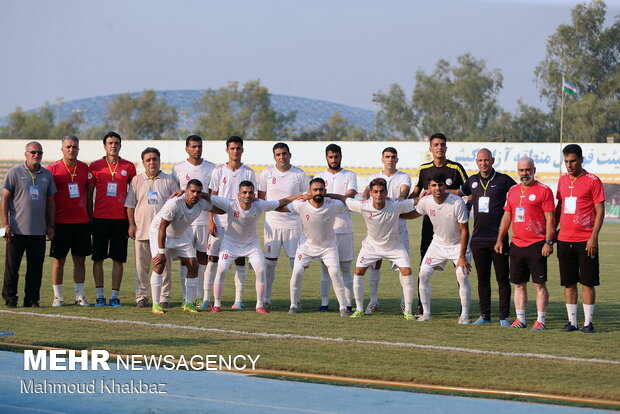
x,y
71,236
110,239
576,265
528,260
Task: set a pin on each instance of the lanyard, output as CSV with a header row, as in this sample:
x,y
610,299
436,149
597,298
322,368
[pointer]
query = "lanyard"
x,y
484,187
109,168
32,175
73,174
523,190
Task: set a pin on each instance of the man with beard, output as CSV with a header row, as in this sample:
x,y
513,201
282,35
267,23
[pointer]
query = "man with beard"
x,y
344,182
318,242
530,210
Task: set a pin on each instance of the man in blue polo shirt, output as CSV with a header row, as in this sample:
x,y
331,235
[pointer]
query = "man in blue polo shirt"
x,y
488,189
28,212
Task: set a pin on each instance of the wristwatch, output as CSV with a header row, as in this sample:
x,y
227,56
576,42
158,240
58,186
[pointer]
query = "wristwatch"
x,y
549,242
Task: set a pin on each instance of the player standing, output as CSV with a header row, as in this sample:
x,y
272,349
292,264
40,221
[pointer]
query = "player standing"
x,y
196,167
282,230
580,212
344,182
225,182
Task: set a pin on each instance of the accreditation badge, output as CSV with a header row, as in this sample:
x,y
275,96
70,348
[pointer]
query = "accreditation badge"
x,y
34,192
112,189
570,205
483,204
151,196
519,214
74,190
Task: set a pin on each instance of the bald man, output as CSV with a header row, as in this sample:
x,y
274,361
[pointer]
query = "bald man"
x,y
530,211
488,191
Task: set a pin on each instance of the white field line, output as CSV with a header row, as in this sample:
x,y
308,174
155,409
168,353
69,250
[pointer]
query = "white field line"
x,y
319,338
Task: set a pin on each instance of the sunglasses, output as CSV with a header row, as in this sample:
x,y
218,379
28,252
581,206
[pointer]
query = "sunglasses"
x,y
36,152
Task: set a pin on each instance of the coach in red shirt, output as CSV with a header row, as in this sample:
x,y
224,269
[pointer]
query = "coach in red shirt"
x,y
530,209
580,211
110,177
72,221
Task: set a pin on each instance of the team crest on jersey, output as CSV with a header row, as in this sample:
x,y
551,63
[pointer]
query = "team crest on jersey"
x,y
532,197
90,176
187,177
224,180
474,184
449,181
236,214
124,173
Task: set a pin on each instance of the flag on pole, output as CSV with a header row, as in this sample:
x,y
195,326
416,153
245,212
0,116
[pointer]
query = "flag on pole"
x,y
569,88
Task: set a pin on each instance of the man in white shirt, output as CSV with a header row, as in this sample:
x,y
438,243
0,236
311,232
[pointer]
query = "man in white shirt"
x,y
196,167
318,242
399,186
241,239
171,237
225,182
282,230
343,182
450,218
383,240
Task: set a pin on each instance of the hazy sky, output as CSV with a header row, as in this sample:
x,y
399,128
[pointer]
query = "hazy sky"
x,y
340,51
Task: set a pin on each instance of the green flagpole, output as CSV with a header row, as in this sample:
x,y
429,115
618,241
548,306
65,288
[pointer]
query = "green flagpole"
x,y
561,123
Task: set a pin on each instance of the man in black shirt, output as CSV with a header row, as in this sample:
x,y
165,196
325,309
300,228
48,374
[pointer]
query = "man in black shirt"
x,y
455,177
488,189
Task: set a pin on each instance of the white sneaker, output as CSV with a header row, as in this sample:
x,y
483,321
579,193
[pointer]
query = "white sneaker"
x,y
372,308
58,302
82,301
423,318
464,320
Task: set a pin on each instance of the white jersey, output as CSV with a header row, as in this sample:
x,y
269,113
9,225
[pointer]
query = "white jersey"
x,y
340,183
394,183
242,223
281,184
383,234
179,215
226,183
318,223
445,218
184,171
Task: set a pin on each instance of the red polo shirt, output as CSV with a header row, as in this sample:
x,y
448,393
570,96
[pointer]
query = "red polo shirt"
x,y
588,189
108,205
70,209
536,199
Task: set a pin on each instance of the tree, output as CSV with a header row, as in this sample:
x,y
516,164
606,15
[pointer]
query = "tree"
x,y
34,125
337,128
585,52
142,117
527,124
70,126
459,100
245,112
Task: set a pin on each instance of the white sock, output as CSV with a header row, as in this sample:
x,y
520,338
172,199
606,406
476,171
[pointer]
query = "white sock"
x,y
374,276
425,291
588,313
270,277
99,292
325,285
541,317
182,277
338,285
240,276
464,291
114,293
209,278
200,280
521,315
571,311
408,291
156,281
190,289
79,290
57,291
218,284
347,278
358,291
295,285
